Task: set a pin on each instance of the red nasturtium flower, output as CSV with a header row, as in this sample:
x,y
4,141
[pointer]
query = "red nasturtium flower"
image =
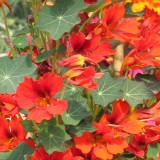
x,y
8,104
122,119
37,96
83,77
138,145
75,61
90,46
11,133
41,154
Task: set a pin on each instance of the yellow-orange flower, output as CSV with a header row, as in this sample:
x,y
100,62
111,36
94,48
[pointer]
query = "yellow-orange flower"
x,y
139,5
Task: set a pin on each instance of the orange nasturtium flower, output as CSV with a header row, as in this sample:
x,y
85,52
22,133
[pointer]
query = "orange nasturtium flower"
x,y
6,3
139,5
37,96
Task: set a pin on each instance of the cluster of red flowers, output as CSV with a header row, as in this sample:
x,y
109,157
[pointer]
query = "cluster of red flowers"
x,y
124,128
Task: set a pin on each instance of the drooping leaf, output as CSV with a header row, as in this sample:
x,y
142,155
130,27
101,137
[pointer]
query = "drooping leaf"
x,y
20,151
13,71
108,90
61,17
20,42
151,82
153,150
135,92
75,113
52,136
44,56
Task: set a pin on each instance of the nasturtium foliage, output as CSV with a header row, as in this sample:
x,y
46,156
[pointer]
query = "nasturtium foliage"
x,y
20,42
45,55
153,150
61,17
135,92
83,126
12,72
4,155
20,152
52,136
150,81
108,90
70,92
75,113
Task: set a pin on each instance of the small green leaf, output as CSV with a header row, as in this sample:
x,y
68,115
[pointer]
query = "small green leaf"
x,y
135,92
81,127
20,151
44,56
61,17
12,72
4,155
28,125
75,113
20,42
108,90
153,150
52,136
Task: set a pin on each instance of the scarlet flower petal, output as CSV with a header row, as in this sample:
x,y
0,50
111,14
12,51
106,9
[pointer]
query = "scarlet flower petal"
x,y
59,108
84,143
39,114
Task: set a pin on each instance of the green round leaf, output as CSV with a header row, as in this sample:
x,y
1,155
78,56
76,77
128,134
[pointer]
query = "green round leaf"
x,y
108,90
75,113
52,137
61,17
12,72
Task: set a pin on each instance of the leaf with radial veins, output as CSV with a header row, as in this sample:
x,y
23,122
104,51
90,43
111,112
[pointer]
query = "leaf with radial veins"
x,y
52,136
60,17
135,92
20,152
75,113
108,90
12,72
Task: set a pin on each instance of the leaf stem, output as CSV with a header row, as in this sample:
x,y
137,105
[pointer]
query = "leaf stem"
x,y
89,100
6,25
64,89
96,111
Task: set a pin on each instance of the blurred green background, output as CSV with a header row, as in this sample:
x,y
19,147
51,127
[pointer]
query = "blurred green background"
x,y
16,21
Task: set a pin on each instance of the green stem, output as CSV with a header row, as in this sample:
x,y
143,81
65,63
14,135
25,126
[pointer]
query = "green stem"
x,y
64,89
89,100
43,40
96,111
88,20
6,25
36,127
